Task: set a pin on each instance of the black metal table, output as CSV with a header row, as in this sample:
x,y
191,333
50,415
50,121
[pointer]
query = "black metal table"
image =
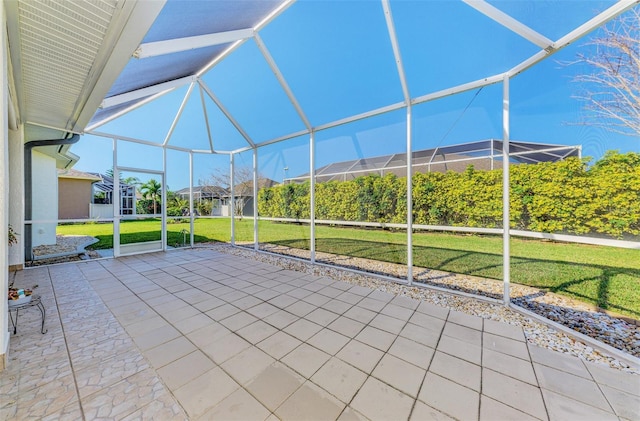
x,y
35,302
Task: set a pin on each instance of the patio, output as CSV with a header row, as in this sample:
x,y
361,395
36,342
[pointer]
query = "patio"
x,y
199,334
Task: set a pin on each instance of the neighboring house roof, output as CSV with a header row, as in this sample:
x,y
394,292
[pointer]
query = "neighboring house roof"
x,y
246,188
106,183
79,175
204,191
444,158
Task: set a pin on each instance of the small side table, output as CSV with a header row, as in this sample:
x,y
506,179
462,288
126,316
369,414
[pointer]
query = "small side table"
x,y
35,302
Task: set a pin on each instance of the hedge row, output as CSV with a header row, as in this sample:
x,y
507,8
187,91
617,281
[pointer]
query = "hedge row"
x,y
566,196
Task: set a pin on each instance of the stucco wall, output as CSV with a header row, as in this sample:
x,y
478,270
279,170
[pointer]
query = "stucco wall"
x,y
74,196
16,194
45,199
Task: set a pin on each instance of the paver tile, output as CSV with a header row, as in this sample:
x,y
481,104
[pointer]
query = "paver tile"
x,y
413,352
401,313
346,326
464,319
360,355
446,396
321,316
185,369
457,370
281,319
328,341
620,380
226,347
205,391
340,379
274,385
460,349
376,338
463,333
279,344
433,310
379,401
306,359
575,387
509,365
247,364
310,402
302,329
257,331
421,335
505,345
239,406
387,323
169,351
422,412
400,374
513,392
491,409
561,407
624,404
238,321
360,314
504,329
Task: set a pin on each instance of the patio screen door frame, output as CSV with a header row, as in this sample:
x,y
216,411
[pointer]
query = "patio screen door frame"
x,y
117,248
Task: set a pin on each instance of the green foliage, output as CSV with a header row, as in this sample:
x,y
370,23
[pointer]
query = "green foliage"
x,y
565,196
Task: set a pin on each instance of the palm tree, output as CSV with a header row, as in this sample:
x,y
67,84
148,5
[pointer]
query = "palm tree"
x,y
152,189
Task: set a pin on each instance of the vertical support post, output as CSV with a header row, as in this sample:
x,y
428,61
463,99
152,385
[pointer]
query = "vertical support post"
x,y
191,222
4,198
493,151
255,199
506,217
232,203
312,195
163,210
115,201
409,200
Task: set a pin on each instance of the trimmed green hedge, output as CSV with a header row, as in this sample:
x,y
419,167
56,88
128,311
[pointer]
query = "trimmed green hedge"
x,y
566,196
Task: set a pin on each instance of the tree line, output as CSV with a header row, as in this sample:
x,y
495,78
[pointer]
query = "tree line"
x,y
568,196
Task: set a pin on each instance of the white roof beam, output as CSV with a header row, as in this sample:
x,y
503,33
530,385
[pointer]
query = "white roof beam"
x,y
178,114
276,71
611,13
206,117
510,23
145,92
396,50
159,48
491,80
123,112
227,114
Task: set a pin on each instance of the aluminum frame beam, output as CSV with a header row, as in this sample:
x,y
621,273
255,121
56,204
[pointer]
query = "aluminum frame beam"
x,y
160,88
510,23
176,45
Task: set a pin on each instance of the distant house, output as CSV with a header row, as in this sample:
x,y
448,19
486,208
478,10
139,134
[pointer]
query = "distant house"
x,y
243,194
221,197
75,193
102,199
215,194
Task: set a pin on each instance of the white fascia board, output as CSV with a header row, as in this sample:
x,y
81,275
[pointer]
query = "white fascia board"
x,y
491,80
145,92
510,23
125,33
158,48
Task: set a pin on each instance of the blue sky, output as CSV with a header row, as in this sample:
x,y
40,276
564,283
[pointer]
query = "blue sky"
x,y
338,61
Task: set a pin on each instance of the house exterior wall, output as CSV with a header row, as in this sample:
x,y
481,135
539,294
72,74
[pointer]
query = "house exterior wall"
x,y
44,196
4,195
16,196
74,196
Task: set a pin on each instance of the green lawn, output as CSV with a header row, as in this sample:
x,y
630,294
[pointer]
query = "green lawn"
x,y
605,276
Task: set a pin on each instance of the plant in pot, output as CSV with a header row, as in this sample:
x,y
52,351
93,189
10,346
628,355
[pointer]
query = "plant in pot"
x,y
17,296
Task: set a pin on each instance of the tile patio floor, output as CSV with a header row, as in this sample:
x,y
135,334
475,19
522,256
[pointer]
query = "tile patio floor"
x,y
195,334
